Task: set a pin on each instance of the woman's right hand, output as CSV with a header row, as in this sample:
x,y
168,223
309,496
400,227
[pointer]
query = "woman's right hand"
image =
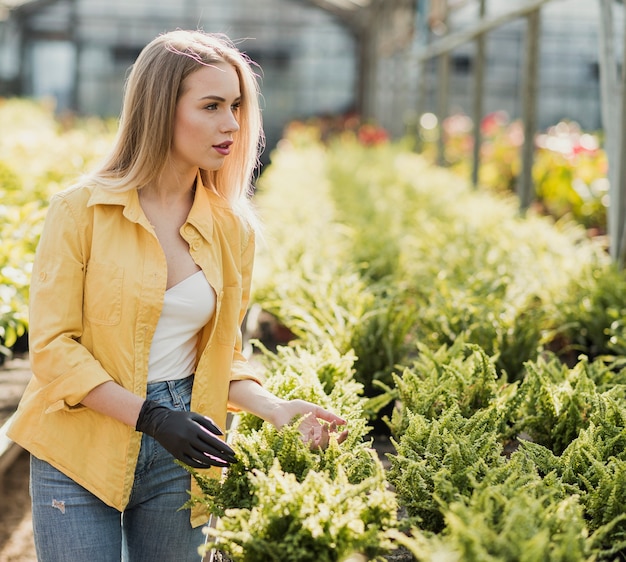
x,y
188,436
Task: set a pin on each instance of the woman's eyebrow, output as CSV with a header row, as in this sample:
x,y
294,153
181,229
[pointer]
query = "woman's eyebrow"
x,y
218,98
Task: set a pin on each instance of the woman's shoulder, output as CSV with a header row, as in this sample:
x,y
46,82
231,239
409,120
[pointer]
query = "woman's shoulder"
x,y
75,194
86,194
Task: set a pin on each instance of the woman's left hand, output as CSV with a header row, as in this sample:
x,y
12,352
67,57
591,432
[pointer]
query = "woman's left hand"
x,y
316,425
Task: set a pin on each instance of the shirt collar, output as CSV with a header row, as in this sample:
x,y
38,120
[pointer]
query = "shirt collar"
x,y
200,215
128,199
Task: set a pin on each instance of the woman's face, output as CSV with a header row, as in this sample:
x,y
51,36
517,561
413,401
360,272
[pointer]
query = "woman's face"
x,y
206,118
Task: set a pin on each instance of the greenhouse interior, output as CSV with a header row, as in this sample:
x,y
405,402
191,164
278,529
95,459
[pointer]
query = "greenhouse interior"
x,y
437,230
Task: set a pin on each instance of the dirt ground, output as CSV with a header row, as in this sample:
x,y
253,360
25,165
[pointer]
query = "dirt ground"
x,y
16,531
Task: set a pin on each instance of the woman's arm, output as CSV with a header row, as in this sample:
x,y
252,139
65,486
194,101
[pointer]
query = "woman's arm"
x,y
115,401
188,436
248,395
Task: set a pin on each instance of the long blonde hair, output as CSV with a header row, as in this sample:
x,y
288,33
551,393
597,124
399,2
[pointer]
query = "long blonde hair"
x,y
146,125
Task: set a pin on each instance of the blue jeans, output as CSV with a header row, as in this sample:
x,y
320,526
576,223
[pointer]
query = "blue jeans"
x,y
71,525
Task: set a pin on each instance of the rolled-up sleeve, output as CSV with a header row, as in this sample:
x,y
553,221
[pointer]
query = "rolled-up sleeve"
x,y
241,369
64,369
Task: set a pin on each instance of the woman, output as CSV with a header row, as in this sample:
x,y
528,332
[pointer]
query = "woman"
x,y
140,284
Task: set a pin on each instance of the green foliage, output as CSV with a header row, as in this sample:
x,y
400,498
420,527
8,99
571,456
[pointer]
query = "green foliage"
x,y
338,306
382,340
522,518
320,305
317,519
326,378
591,318
564,486
258,450
39,155
364,187
555,403
441,460
593,467
569,168
389,250
460,376
511,515
323,376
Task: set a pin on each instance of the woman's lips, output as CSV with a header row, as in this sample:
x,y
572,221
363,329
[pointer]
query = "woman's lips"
x,y
223,148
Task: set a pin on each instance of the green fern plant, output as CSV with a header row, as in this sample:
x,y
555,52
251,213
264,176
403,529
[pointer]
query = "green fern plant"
x,y
323,375
460,375
591,315
439,461
593,467
316,519
555,403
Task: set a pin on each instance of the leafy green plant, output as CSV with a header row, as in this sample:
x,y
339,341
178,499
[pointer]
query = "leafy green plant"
x,y
461,376
316,519
317,306
439,461
382,340
258,450
512,514
322,375
591,316
555,403
40,154
593,467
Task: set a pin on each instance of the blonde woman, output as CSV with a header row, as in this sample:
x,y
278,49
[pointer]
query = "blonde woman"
x,y
140,284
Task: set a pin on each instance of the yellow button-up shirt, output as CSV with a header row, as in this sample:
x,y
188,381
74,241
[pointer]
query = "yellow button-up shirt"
x,y
96,295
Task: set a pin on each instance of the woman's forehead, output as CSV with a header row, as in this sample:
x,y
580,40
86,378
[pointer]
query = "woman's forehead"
x,y
217,79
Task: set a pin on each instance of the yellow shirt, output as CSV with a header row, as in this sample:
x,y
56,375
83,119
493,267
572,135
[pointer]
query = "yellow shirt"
x,y
96,294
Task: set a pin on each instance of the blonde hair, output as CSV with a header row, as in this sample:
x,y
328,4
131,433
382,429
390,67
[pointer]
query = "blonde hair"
x,y
146,126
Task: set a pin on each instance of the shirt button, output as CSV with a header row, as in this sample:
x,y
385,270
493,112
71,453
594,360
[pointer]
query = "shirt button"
x,y
195,245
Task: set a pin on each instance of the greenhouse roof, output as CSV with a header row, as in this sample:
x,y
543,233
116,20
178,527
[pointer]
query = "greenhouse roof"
x,y
7,6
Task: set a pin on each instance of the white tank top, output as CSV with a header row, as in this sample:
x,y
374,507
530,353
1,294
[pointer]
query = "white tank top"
x,y
187,308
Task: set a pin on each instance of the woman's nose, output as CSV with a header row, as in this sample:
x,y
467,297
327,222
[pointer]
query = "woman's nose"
x,y
231,124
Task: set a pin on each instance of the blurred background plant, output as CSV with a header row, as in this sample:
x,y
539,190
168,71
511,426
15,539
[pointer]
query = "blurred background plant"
x,y
40,154
570,166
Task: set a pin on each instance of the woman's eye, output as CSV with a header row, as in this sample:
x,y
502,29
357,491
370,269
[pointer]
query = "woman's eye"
x,y
211,106
236,106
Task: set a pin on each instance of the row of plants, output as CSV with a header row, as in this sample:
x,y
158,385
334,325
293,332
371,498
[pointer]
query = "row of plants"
x,y
281,501
40,154
496,338
569,169
486,345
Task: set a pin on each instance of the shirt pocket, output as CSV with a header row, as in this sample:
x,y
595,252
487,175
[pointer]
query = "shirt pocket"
x,y
102,302
228,315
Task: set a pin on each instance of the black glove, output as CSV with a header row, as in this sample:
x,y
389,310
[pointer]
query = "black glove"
x,y
188,436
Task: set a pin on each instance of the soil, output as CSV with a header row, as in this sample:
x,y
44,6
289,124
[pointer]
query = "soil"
x,y
16,530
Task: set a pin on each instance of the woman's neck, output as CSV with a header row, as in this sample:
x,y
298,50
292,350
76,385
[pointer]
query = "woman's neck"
x,y
171,189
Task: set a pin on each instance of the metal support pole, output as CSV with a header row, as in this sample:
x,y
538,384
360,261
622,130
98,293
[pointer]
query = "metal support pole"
x,y
525,187
620,250
442,104
609,91
421,37
443,95
479,83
